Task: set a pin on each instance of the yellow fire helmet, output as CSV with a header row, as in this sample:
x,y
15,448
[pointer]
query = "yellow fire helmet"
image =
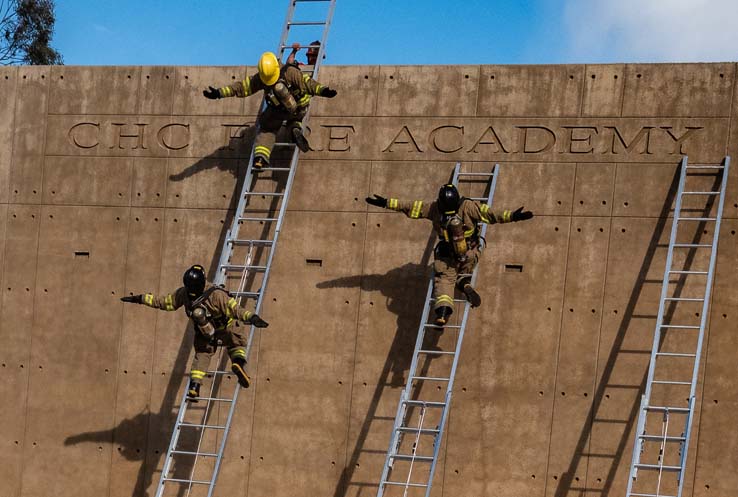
x,y
268,68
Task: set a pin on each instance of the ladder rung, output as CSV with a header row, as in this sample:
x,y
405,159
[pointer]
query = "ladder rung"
x,y
696,219
489,175
306,23
258,218
667,382
229,267
661,437
664,408
250,242
478,199
430,378
214,399
675,354
680,326
439,352
456,301
403,484
245,294
410,429
700,193
273,169
179,480
684,299
692,245
408,457
202,454
633,494
431,325
282,144
687,272
658,467
716,166
192,425
266,194
424,403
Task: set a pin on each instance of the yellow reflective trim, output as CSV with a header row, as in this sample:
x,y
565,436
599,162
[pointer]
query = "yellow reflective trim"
x,y
484,208
484,218
506,216
445,235
306,77
469,233
232,303
246,315
318,89
417,206
263,151
169,302
149,299
196,374
392,204
226,91
246,86
304,100
444,299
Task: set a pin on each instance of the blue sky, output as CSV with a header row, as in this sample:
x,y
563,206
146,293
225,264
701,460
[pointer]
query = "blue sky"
x,y
230,32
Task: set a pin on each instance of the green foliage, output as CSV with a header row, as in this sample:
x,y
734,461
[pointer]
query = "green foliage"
x,y
26,28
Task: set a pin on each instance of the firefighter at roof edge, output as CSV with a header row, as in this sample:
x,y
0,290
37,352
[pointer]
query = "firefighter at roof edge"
x,y
216,316
456,220
287,92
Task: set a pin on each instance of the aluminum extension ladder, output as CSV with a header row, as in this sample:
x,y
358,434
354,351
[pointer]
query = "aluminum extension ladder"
x,y
416,437
259,216
662,439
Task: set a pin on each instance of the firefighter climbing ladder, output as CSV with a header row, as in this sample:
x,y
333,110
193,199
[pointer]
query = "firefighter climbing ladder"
x,y
667,409
418,428
249,278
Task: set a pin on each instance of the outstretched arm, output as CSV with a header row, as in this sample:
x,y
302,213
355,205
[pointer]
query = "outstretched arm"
x,y
248,86
166,302
415,209
232,309
487,215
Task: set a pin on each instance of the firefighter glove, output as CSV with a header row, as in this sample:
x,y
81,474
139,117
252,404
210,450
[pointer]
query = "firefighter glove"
x,y
377,200
328,92
520,215
133,299
257,321
211,93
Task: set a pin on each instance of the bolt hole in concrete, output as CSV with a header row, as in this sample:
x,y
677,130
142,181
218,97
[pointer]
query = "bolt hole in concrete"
x,y
556,228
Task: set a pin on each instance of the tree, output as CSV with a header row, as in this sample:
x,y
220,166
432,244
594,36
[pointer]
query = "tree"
x,y
26,27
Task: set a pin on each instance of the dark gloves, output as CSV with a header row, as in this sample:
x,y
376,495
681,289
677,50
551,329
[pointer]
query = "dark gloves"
x,y
211,93
328,92
377,200
257,321
520,215
133,299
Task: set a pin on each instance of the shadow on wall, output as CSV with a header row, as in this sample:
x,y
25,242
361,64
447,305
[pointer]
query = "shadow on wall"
x,y
406,305
129,433
619,434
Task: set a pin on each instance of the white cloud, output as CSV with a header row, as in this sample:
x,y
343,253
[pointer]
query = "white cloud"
x,y
652,30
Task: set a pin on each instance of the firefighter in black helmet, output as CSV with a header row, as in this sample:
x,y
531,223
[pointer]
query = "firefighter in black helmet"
x,y
456,221
216,317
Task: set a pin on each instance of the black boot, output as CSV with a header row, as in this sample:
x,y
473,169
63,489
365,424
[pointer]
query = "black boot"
x,y
300,140
442,314
193,392
260,162
472,296
238,367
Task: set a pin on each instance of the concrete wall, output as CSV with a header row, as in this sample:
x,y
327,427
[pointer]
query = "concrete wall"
x,y
114,180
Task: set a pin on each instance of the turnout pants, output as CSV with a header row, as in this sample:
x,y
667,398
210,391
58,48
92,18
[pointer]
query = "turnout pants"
x,y
232,337
448,271
270,121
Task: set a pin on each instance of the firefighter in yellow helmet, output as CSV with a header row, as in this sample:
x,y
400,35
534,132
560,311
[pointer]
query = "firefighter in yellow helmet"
x,y
456,220
287,91
216,317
